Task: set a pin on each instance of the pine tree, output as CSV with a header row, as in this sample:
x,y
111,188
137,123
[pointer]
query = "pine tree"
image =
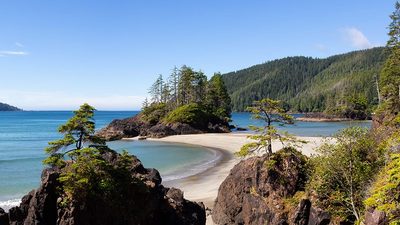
x,y
78,131
185,85
217,97
173,82
156,90
269,111
390,75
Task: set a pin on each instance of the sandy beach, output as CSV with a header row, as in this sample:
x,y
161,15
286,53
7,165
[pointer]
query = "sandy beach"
x,y
203,187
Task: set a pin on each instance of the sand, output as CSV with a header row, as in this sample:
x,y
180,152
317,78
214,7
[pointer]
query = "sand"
x,y
203,187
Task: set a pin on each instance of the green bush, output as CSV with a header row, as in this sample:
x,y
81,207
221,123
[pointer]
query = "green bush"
x,y
385,195
154,113
192,114
343,170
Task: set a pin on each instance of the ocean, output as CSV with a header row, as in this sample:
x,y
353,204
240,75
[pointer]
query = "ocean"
x,y
24,135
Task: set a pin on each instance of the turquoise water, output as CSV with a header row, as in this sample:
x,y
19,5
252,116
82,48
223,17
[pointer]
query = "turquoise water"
x,y
24,135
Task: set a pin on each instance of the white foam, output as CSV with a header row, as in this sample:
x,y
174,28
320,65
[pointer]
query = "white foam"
x,y
8,204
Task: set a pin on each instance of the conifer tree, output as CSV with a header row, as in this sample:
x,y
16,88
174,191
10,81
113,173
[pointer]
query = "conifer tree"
x,y
390,75
78,132
269,111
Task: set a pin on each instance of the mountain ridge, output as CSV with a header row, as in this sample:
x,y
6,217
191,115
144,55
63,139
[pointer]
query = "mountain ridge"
x,y
308,84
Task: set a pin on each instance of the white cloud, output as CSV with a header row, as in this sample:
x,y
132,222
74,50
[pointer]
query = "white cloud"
x,y
356,38
13,53
19,44
35,100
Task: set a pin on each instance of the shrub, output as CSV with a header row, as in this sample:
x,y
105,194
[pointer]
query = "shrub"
x,y
154,113
192,114
343,170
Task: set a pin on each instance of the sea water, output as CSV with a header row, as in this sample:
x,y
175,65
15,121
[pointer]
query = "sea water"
x,y
24,135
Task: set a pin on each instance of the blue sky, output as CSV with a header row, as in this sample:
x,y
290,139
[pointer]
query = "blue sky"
x,y
55,55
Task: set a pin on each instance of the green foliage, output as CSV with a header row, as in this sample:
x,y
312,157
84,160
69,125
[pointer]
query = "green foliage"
x,y
343,170
78,131
307,84
154,112
390,74
192,114
269,111
92,176
217,99
353,107
188,87
385,194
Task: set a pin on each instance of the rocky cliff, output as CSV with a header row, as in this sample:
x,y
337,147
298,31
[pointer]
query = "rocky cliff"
x,y
268,190
137,126
143,202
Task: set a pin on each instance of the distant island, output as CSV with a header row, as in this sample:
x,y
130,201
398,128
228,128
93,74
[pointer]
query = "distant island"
x,y
7,107
343,86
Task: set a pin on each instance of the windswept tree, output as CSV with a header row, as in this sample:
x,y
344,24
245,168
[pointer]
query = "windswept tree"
x,y
78,132
269,111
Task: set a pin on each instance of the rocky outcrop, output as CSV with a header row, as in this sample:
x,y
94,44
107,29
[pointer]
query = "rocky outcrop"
x,y
375,217
137,126
255,190
146,202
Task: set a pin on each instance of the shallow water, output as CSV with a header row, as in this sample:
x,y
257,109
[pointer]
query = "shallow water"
x,y
24,135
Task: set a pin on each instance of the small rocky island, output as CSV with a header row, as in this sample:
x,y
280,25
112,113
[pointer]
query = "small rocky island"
x,y
187,104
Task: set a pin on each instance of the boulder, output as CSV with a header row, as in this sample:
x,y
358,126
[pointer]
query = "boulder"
x,y
3,217
255,189
144,202
375,217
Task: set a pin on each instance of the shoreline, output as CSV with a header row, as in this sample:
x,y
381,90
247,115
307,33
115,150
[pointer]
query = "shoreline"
x,y
203,186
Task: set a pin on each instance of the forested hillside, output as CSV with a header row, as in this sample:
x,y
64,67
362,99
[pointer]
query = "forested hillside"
x,y
310,85
6,107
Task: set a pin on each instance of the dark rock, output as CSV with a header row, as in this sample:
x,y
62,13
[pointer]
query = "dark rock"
x,y
318,217
375,217
253,192
136,126
144,202
160,130
4,217
302,214
241,129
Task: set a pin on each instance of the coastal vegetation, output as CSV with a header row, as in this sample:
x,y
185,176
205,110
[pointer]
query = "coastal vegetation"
x,y
353,179
188,97
88,183
269,111
185,103
341,85
7,107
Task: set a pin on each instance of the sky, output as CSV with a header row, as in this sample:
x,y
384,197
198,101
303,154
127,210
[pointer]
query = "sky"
x,y
56,55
